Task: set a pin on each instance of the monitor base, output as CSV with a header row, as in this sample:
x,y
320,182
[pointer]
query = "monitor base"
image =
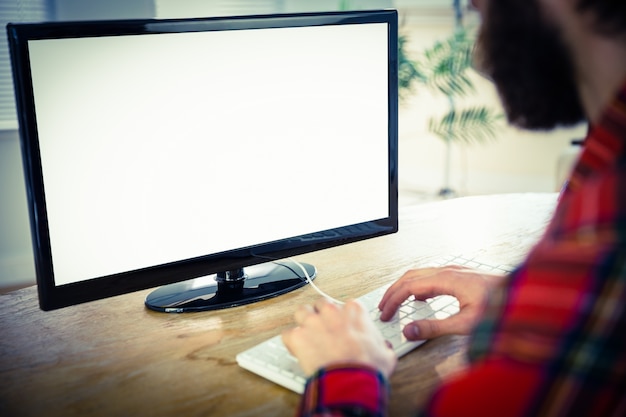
x,y
213,292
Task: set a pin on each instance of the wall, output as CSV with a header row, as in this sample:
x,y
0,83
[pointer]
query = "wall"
x,y
101,10
16,259
193,8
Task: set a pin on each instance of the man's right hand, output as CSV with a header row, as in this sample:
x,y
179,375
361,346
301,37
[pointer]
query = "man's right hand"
x,y
471,287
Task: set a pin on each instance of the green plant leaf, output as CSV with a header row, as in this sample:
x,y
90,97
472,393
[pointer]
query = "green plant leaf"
x,y
408,70
471,125
446,65
444,68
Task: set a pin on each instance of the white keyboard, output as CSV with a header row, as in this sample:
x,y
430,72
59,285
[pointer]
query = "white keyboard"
x,y
271,360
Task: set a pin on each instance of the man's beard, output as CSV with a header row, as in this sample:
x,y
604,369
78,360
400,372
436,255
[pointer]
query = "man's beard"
x,y
529,64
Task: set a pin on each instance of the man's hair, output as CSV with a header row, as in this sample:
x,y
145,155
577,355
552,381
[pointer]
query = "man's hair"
x,y
610,15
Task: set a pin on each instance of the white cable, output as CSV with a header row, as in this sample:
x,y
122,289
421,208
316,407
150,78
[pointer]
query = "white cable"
x,y
310,281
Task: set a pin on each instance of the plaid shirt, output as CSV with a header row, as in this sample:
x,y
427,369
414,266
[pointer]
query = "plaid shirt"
x,y
553,340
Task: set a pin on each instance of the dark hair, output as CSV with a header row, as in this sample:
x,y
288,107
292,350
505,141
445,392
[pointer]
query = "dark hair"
x,y
610,15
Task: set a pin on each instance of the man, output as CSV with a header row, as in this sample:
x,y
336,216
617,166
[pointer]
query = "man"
x,y
549,340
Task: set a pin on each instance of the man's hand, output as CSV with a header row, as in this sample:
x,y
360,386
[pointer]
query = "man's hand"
x,y
329,334
470,287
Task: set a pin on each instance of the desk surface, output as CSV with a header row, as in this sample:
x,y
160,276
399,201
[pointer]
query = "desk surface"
x,y
115,358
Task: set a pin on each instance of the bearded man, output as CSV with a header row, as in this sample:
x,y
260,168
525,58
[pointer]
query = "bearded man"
x,y
550,339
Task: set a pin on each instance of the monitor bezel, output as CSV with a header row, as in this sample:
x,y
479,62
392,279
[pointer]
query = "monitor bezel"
x,y
52,296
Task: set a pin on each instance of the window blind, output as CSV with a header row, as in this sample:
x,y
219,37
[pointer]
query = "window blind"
x,y
177,8
15,11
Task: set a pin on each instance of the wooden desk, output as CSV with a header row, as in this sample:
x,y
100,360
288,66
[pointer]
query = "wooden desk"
x,y
115,358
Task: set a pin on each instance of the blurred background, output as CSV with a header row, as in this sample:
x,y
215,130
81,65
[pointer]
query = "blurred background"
x,y
453,139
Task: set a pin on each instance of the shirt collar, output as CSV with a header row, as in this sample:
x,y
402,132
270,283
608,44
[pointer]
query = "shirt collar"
x,y
605,144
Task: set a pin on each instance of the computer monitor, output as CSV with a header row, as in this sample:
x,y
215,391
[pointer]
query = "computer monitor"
x,y
200,152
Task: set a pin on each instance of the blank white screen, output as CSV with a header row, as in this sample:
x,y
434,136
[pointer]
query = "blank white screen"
x,y
163,147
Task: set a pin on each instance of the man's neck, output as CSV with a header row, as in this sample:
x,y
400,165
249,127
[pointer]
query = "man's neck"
x,y
601,72
599,61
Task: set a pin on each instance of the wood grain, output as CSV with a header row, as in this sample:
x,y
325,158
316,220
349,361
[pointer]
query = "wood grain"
x,y
113,357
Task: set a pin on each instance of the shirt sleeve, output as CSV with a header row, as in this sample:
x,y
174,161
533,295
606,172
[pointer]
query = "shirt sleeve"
x,y
345,390
497,387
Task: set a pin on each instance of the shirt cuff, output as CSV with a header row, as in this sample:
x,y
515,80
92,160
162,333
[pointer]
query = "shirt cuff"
x,y
350,389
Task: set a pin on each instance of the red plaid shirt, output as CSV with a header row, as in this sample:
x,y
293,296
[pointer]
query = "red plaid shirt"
x,y
553,341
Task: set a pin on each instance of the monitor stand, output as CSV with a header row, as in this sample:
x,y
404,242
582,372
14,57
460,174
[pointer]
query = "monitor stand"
x,y
230,288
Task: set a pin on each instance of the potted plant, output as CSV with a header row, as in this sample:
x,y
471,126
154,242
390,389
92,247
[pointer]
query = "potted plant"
x,y
445,69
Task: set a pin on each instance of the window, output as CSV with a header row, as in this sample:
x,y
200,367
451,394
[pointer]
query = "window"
x,y
193,8
14,11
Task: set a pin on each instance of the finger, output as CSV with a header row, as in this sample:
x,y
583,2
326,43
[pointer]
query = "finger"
x,y
289,338
324,306
303,312
390,306
392,299
356,314
421,284
354,308
460,323
399,289
426,282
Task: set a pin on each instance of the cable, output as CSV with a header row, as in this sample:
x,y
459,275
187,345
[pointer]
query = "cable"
x,y
310,281
307,278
